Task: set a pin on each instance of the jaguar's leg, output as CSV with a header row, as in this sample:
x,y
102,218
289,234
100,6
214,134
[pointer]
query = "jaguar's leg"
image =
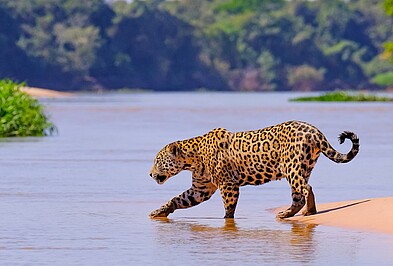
x,y
188,198
310,202
298,201
230,195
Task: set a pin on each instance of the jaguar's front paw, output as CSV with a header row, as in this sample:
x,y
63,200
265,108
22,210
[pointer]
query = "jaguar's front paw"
x,y
159,213
164,210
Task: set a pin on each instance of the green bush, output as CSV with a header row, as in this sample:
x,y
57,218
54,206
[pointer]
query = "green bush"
x,y
20,114
384,79
342,96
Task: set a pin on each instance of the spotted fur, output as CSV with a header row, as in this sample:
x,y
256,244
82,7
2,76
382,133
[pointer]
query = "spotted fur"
x,y
226,161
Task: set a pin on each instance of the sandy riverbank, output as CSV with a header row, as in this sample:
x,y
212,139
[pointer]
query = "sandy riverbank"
x,y
366,214
45,93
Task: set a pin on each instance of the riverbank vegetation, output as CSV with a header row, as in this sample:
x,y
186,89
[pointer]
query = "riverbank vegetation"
x,y
343,96
20,114
248,45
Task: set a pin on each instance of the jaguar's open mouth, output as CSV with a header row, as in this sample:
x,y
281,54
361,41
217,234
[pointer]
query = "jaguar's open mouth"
x,y
160,179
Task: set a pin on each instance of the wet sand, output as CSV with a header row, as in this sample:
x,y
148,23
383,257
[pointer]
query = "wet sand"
x,y
366,214
45,93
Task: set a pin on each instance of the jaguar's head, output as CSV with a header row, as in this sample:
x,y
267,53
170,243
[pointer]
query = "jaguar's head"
x,y
168,162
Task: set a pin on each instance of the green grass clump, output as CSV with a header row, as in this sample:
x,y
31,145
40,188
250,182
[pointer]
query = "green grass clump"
x,y
342,96
20,114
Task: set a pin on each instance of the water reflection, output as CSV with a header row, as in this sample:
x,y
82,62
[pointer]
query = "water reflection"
x,y
209,239
21,139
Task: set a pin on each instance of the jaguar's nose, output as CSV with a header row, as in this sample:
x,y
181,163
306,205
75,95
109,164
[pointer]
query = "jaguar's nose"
x,y
151,175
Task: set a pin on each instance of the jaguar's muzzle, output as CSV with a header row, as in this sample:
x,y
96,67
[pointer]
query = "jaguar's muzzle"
x,y
161,178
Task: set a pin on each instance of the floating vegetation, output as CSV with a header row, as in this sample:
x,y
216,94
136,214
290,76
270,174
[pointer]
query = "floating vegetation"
x,y
343,96
20,114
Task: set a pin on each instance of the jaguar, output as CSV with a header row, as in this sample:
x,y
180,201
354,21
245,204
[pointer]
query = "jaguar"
x,y
226,161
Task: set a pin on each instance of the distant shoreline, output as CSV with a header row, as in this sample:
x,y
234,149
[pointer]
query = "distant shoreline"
x,y
372,215
45,93
343,96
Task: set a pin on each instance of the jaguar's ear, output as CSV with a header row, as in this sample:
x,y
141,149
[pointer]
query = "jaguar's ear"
x,y
174,149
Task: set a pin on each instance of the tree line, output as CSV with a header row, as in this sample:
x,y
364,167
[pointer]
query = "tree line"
x,y
247,45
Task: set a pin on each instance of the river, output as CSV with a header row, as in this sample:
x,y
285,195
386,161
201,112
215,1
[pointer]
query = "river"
x,y
83,197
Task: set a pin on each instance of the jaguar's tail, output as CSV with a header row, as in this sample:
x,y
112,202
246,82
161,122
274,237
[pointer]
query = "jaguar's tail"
x,y
336,156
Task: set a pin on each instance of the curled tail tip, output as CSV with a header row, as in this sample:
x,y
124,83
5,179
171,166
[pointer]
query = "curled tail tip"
x,y
348,135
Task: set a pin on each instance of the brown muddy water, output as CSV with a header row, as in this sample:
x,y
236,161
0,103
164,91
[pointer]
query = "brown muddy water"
x,y
83,197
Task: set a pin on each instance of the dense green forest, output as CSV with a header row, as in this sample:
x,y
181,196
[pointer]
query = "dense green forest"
x,y
248,45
